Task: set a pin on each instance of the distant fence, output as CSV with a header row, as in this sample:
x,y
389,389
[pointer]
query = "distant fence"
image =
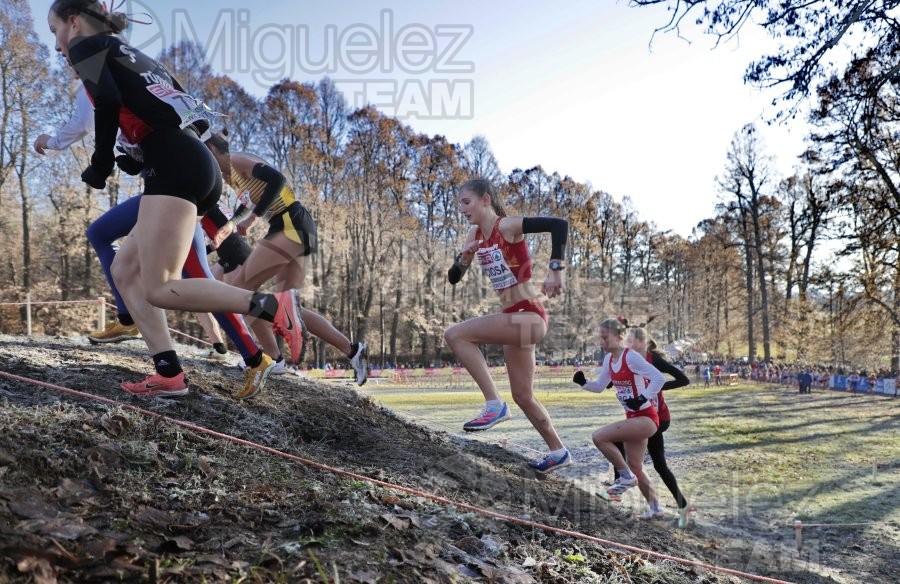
x,y
12,315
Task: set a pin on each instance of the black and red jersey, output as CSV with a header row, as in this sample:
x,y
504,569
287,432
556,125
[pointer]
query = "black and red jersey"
x,y
130,91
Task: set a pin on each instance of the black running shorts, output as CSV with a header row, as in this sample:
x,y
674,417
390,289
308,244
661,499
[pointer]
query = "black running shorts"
x,y
178,164
233,252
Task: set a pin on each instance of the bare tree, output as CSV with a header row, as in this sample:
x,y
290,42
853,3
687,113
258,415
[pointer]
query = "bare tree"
x,y
480,161
812,35
746,174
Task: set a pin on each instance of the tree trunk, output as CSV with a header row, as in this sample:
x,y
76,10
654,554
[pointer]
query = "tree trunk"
x,y
398,306
748,286
761,274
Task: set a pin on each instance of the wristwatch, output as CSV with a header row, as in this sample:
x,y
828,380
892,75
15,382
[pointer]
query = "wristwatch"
x,y
557,266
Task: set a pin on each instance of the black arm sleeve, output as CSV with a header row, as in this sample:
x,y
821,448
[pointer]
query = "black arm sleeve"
x,y
217,217
88,56
559,233
240,213
456,271
664,366
274,180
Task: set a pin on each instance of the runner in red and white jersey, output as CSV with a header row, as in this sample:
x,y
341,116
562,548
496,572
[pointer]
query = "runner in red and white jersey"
x,y
636,383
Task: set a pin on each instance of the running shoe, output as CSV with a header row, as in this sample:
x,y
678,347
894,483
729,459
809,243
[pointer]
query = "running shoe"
x,y
255,377
279,369
684,516
214,355
549,464
488,419
621,485
650,515
156,384
115,332
360,363
289,324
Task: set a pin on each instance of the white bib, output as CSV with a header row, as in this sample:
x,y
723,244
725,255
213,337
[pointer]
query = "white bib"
x,y
494,266
189,108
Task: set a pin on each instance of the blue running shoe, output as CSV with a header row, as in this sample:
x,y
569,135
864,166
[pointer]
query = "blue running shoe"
x,y
488,419
549,464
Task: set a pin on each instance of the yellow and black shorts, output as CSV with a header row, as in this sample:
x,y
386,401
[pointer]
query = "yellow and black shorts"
x,y
298,225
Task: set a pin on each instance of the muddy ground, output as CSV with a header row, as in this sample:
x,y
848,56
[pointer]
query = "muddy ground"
x,y
93,492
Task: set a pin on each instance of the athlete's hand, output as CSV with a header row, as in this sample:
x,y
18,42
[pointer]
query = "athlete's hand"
x,y
554,285
129,165
244,226
579,378
93,178
635,403
223,234
40,143
468,251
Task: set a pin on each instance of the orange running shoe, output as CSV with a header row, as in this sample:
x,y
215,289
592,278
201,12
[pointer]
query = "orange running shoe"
x,y
289,324
156,384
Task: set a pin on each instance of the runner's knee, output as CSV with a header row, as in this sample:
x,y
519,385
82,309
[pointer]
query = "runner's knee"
x,y
162,296
123,271
453,335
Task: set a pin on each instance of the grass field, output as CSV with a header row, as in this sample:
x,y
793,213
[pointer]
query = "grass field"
x,y
751,458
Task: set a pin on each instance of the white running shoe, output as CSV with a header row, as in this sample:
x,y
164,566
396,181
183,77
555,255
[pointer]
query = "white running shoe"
x,y
684,516
621,485
360,363
279,369
650,515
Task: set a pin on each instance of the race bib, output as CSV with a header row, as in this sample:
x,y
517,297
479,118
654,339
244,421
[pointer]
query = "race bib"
x,y
623,392
189,108
244,199
494,266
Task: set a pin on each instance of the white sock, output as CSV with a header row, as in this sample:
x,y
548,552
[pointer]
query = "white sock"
x,y
656,507
558,454
495,405
625,473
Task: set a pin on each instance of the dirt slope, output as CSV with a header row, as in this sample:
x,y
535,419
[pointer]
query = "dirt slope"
x,y
94,493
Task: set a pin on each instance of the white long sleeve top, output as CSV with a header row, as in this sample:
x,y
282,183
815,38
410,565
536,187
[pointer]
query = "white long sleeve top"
x,y
78,126
631,376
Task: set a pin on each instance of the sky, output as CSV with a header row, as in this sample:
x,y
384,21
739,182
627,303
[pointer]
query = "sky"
x,y
580,91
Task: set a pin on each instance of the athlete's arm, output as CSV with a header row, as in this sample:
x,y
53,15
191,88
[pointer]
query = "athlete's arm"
x,y
274,180
76,128
88,57
557,228
513,228
463,259
601,383
680,379
638,365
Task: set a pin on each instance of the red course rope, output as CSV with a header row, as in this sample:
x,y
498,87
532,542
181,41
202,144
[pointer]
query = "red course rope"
x,y
411,491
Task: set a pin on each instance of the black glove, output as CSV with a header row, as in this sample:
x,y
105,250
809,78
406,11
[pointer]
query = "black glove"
x,y
635,403
93,178
129,165
579,378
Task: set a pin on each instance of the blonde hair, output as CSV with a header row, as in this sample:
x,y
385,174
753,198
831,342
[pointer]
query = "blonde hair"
x,y
615,326
482,187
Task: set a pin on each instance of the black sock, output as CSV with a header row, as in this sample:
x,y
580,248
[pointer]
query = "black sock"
x,y
279,358
167,363
263,306
255,360
354,349
125,319
220,348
